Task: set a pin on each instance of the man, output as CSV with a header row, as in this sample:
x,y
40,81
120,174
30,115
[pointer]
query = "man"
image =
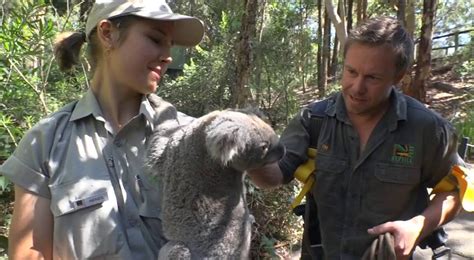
x,y
378,151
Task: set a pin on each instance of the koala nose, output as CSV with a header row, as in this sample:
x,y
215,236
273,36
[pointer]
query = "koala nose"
x,y
276,152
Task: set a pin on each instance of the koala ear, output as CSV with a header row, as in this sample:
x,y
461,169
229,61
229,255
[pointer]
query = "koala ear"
x,y
224,140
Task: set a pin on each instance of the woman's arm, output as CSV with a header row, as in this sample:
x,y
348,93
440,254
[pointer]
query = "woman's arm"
x,y
31,230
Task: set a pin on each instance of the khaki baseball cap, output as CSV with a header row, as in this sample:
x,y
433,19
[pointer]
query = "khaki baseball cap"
x,y
188,30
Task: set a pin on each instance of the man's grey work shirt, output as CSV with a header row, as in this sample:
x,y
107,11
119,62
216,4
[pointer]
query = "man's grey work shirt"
x,y
410,149
101,204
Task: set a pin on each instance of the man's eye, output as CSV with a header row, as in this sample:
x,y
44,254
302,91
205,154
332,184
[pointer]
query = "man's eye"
x,y
156,40
352,72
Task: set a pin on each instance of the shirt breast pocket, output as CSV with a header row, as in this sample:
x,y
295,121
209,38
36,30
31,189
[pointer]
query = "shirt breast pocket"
x,y
329,179
86,224
391,189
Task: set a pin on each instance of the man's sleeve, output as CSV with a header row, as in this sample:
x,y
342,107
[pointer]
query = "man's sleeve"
x,y
442,155
295,138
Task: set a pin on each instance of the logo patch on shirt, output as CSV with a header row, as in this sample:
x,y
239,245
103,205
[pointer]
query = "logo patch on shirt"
x,y
403,154
325,147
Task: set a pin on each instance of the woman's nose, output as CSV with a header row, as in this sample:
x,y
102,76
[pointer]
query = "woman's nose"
x,y
167,59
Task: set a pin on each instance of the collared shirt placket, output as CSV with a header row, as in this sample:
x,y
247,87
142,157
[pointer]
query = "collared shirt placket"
x,y
125,179
354,175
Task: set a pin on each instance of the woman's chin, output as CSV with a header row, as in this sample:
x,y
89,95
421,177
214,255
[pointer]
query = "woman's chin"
x,y
152,87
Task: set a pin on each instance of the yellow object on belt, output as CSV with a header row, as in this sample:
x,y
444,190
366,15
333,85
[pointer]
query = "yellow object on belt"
x,y
304,174
463,179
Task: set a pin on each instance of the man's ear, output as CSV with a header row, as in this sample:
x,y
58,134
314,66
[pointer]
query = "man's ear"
x,y
105,33
399,76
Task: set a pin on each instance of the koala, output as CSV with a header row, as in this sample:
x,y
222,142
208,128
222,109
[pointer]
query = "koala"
x,y
199,169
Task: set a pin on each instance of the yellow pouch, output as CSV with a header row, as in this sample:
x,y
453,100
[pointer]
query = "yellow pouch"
x,y
462,178
304,174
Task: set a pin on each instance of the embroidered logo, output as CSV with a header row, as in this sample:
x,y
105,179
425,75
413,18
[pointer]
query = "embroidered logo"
x,y
403,154
325,147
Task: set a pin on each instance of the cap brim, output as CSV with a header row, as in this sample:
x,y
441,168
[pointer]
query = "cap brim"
x,y
188,30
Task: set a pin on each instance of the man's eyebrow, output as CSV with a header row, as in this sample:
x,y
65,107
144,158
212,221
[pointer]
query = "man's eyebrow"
x,y
349,66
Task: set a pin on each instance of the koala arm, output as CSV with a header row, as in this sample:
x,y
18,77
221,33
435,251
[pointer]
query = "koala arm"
x,y
267,176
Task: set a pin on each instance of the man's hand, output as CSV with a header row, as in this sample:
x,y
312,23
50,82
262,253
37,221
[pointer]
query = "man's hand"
x,y
406,234
267,176
442,208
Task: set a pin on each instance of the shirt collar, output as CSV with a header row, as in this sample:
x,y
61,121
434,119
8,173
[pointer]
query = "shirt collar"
x,y
398,108
88,105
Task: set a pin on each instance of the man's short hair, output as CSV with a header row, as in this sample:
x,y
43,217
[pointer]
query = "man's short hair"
x,y
384,30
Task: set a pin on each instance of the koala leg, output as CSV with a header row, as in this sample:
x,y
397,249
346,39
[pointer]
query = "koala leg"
x,y
174,250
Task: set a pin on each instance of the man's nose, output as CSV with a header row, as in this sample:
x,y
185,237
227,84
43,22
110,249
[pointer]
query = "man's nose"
x,y
359,85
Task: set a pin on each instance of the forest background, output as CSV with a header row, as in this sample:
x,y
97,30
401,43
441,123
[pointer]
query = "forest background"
x,y
275,54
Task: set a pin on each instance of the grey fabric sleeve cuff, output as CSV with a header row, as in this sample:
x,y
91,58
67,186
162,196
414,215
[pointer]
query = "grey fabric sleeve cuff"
x,y
20,174
295,138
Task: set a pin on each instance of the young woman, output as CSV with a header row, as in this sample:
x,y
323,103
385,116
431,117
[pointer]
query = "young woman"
x,y
78,173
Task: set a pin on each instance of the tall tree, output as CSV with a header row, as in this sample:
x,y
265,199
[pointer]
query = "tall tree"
x,y
350,9
241,92
326,57
338,19
361,10
422,71
401,7
320,65
410,26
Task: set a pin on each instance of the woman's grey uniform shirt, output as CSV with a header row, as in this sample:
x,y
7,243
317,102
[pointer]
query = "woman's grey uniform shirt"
x,y
101,204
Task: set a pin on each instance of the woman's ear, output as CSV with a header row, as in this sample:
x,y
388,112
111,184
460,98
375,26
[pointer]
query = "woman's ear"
x,y
105,34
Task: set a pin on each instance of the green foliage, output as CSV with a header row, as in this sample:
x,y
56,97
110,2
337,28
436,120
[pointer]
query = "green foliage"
x,y
31,85
464,69
465,124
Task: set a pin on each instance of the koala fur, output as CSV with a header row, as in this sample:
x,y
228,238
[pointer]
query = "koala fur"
x,y
199,169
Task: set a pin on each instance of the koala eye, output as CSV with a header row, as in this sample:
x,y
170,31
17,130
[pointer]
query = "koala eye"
x,y
264,147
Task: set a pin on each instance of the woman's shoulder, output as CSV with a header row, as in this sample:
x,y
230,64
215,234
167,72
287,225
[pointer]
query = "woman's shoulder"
x,y
52,122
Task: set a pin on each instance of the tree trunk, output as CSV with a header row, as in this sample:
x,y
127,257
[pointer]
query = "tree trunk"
x,y
84,9
338,20
241,94
410,16
422,71
326,50
350,9
321,79
401,11
364,9
302,50
258,56
333,67
410,26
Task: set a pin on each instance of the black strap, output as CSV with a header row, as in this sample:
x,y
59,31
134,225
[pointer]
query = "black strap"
x,y
312,243
318,110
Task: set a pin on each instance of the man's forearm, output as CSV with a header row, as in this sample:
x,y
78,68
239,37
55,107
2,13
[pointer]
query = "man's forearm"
x,y
442,208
